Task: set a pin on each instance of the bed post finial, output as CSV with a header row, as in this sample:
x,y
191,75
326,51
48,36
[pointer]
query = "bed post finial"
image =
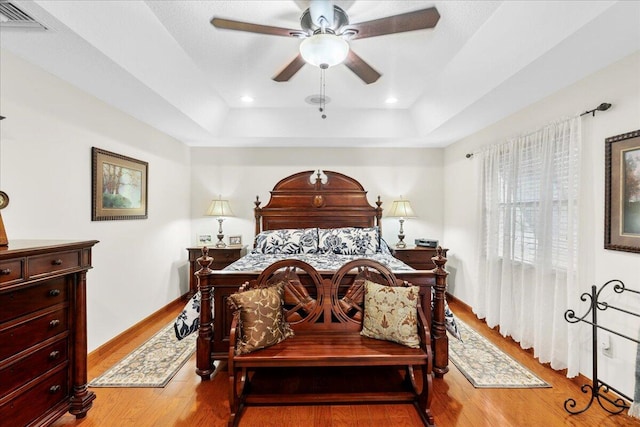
x,y
379,215
257,214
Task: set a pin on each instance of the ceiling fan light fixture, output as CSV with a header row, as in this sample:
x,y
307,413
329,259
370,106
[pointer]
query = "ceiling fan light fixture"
x,y
324,50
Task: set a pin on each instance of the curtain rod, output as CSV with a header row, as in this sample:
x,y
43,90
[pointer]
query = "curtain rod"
x,y
602,107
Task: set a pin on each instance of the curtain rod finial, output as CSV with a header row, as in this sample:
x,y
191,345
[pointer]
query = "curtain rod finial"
x,y
602,107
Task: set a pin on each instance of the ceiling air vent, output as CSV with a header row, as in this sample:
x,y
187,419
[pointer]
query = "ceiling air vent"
x,y
11,16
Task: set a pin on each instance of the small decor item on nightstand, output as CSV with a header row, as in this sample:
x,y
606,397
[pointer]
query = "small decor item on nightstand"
x,y
235,240
401,209
204,240
221,209
426,243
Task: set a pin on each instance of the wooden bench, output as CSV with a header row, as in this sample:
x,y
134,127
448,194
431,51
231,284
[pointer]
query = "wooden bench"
x,y
326,316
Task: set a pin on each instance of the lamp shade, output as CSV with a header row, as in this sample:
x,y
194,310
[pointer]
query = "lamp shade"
x,y
324,50
401,209
219,208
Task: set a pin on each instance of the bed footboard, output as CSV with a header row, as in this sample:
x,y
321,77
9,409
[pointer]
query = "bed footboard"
x,y
216,285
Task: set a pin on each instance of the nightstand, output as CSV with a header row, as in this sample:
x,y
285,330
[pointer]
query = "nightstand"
x,y
222,257
417,257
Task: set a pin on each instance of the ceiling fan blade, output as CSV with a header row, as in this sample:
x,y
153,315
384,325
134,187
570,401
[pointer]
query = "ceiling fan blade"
x,y
290,69
411,21
229,24
361,68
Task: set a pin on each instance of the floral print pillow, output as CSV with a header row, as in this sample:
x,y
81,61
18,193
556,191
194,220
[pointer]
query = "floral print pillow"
x,y
288,241
262,322
349,241
391,313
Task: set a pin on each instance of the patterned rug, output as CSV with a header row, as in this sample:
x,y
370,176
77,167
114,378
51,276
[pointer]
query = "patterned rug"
x,y
485,365
153,364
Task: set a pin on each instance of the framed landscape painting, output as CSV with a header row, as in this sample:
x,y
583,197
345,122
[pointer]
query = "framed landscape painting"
x,y
622,192
119,186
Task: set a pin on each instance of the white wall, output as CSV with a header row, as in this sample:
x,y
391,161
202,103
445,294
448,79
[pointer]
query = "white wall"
x,y
242,174
45,167
618,84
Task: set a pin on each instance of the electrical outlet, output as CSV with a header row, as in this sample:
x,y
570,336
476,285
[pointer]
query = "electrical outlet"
x,y
604,342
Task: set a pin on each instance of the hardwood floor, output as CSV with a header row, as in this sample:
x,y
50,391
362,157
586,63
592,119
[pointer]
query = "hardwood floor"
x,y
188,401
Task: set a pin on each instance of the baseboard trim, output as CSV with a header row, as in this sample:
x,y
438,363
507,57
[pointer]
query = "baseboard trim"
x,y
107,348
452,298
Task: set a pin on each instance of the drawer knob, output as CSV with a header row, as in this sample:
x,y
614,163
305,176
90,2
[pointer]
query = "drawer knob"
x,y
54,355
54,292
54,389
54,323
56,262
5,272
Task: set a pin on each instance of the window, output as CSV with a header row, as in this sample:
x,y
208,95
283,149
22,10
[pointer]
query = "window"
x,y
536,191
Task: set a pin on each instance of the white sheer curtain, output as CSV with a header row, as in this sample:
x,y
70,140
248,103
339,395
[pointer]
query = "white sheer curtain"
x,y
529,210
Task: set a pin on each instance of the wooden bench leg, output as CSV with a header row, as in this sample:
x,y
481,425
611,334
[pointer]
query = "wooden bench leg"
x,y
425,396
238,380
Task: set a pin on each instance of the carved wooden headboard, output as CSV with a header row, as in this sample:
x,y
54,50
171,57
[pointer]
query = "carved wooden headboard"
x,y
303,200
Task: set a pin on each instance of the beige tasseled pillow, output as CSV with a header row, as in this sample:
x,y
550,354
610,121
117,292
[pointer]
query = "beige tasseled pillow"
x,y
262,322
390,313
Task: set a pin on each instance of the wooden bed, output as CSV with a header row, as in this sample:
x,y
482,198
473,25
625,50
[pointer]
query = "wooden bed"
x,y
303,200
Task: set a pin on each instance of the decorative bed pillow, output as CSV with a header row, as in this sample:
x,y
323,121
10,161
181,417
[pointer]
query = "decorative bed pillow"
x,y
288,241
391,313
349,241
262,322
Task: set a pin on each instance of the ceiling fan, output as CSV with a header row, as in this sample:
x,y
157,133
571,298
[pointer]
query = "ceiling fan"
x,y
325,30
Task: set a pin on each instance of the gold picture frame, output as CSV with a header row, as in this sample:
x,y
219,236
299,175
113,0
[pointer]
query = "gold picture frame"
x,y
622,192
119,186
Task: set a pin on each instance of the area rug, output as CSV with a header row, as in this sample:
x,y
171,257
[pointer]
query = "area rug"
x,y
153,364
485,365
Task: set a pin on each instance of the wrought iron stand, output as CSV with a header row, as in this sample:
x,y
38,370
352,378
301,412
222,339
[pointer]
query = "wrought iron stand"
x,y
599,387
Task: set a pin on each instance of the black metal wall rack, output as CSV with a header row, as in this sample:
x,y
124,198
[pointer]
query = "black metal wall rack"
x,y
599,389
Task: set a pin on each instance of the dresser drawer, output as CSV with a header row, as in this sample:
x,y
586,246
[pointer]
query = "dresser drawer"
x,y
28,299
26,334
413,257
33,403
410,255
11,270
418,258
226,256
51,263
32,366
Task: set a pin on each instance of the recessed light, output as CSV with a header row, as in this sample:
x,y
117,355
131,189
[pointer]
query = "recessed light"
x,y
246,98
391,100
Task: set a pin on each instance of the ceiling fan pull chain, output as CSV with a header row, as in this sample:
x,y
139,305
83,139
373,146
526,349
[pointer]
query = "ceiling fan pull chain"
x,y
323,97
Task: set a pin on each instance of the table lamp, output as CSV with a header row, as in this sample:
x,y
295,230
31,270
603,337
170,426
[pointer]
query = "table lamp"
x,y
221,209
401,209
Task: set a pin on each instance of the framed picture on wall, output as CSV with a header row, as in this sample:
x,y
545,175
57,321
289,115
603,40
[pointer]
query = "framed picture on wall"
x,y
622,192
119,186
235,240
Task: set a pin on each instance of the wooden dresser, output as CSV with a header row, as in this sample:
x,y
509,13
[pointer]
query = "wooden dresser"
x,y
43,331
221,258
418,257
